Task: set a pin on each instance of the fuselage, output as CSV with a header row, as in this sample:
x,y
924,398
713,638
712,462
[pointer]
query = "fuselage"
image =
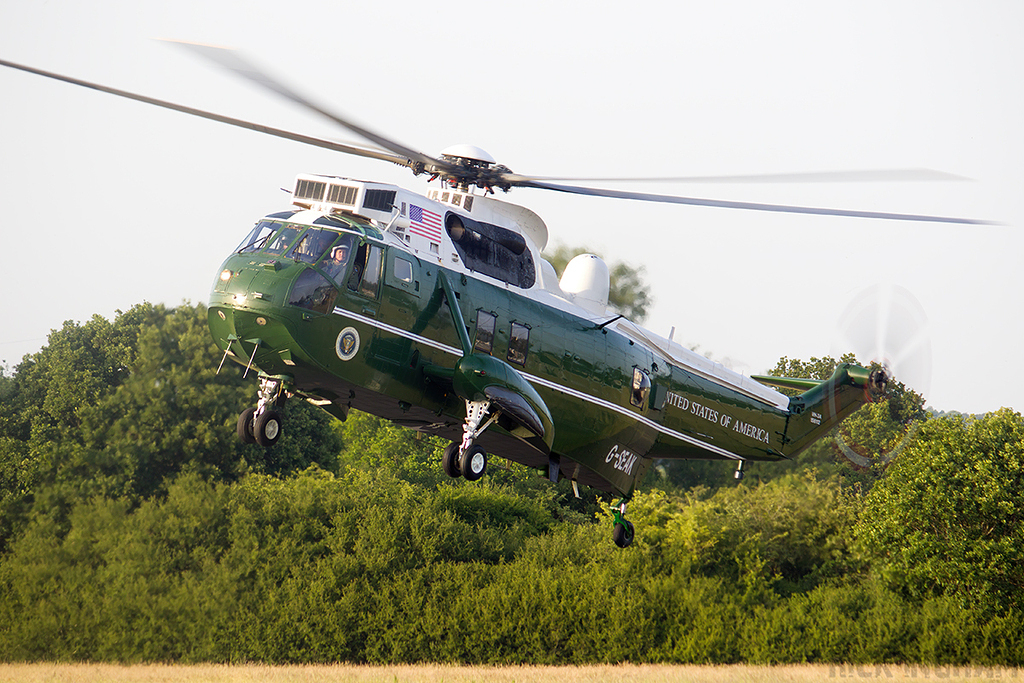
x,y
348,311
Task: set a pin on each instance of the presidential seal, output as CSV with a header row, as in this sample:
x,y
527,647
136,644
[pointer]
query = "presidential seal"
x,y
347,345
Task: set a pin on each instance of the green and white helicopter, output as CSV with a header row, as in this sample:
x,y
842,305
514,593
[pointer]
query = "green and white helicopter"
x,y
437,311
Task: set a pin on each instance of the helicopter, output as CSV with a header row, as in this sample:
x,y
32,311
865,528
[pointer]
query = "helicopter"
x,y
438,312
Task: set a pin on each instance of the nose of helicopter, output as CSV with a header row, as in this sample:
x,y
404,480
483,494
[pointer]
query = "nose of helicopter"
x,y
248,306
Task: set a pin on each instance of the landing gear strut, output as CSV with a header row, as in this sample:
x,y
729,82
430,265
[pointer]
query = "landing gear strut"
x,y
262,424
467,459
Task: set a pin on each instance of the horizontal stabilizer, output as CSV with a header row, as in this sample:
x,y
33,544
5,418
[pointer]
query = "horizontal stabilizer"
x,y
787,382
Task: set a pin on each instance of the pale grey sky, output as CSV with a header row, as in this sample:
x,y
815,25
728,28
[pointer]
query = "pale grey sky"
x,y
108,202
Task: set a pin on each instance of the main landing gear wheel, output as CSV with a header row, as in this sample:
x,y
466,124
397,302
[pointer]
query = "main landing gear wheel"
x,y
473,463
245,425
466,459
450,460
267,428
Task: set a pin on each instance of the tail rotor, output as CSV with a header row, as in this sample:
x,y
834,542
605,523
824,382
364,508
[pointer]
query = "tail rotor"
x,y
886,328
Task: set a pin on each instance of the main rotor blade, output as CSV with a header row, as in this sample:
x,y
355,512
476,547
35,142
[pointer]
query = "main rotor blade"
x,y
751,206
232,61
258,127
863,176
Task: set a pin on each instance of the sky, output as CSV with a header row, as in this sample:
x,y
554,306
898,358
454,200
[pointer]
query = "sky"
x,y
108,202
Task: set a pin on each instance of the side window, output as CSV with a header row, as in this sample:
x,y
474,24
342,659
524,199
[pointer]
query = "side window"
x,y
518,344
402,269
401,272
641,388
365,277
485,323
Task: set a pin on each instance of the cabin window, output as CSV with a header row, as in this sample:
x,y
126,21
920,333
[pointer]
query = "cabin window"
x,y
336,259
518,344
312,245
283,239
641,388
485,323
365,277
257,237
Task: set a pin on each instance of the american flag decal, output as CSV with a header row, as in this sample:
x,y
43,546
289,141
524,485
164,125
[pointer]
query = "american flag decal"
x,y
424,223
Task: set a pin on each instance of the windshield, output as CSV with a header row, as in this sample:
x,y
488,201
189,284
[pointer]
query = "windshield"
x,y
283,239
257,237
312,245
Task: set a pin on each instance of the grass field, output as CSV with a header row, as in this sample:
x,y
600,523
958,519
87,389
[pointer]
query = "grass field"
x,y
623,673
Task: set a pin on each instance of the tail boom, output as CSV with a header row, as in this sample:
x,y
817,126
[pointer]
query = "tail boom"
x,y
815,412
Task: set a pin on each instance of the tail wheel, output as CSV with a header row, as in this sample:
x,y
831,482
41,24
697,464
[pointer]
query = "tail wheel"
x,y
450,460
622,534
245,426
267,428
473,463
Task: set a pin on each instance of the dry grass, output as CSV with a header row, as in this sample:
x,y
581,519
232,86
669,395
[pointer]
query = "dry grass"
x,y
624,673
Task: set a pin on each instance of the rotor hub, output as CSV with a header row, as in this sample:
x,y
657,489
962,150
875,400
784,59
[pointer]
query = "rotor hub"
x,y
877,382
473,166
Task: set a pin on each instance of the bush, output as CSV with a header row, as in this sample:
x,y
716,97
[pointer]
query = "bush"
x,y
948,518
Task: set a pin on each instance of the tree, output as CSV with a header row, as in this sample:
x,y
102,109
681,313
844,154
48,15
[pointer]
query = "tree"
x,y
627,294
42,404
948,517
118,409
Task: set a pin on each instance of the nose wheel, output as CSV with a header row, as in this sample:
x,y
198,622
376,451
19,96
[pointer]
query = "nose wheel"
x,y
263,424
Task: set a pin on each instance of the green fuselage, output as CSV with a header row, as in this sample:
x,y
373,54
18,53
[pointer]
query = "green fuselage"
x,y
378,336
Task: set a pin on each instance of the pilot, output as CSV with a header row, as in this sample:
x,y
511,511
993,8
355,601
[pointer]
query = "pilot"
x,y
340,254
336,260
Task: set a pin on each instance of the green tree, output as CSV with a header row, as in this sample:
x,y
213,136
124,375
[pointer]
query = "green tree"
x,y
628,294
790,531
115,409
43,402
175,411
948,517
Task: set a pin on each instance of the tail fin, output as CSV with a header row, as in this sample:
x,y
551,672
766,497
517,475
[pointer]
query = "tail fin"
x,y
826,403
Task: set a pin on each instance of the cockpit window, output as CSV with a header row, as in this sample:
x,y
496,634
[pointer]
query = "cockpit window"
x,y
257,237
312,245
336,259
283,239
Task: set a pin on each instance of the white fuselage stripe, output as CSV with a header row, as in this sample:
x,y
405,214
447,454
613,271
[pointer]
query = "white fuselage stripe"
x,y
546,383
